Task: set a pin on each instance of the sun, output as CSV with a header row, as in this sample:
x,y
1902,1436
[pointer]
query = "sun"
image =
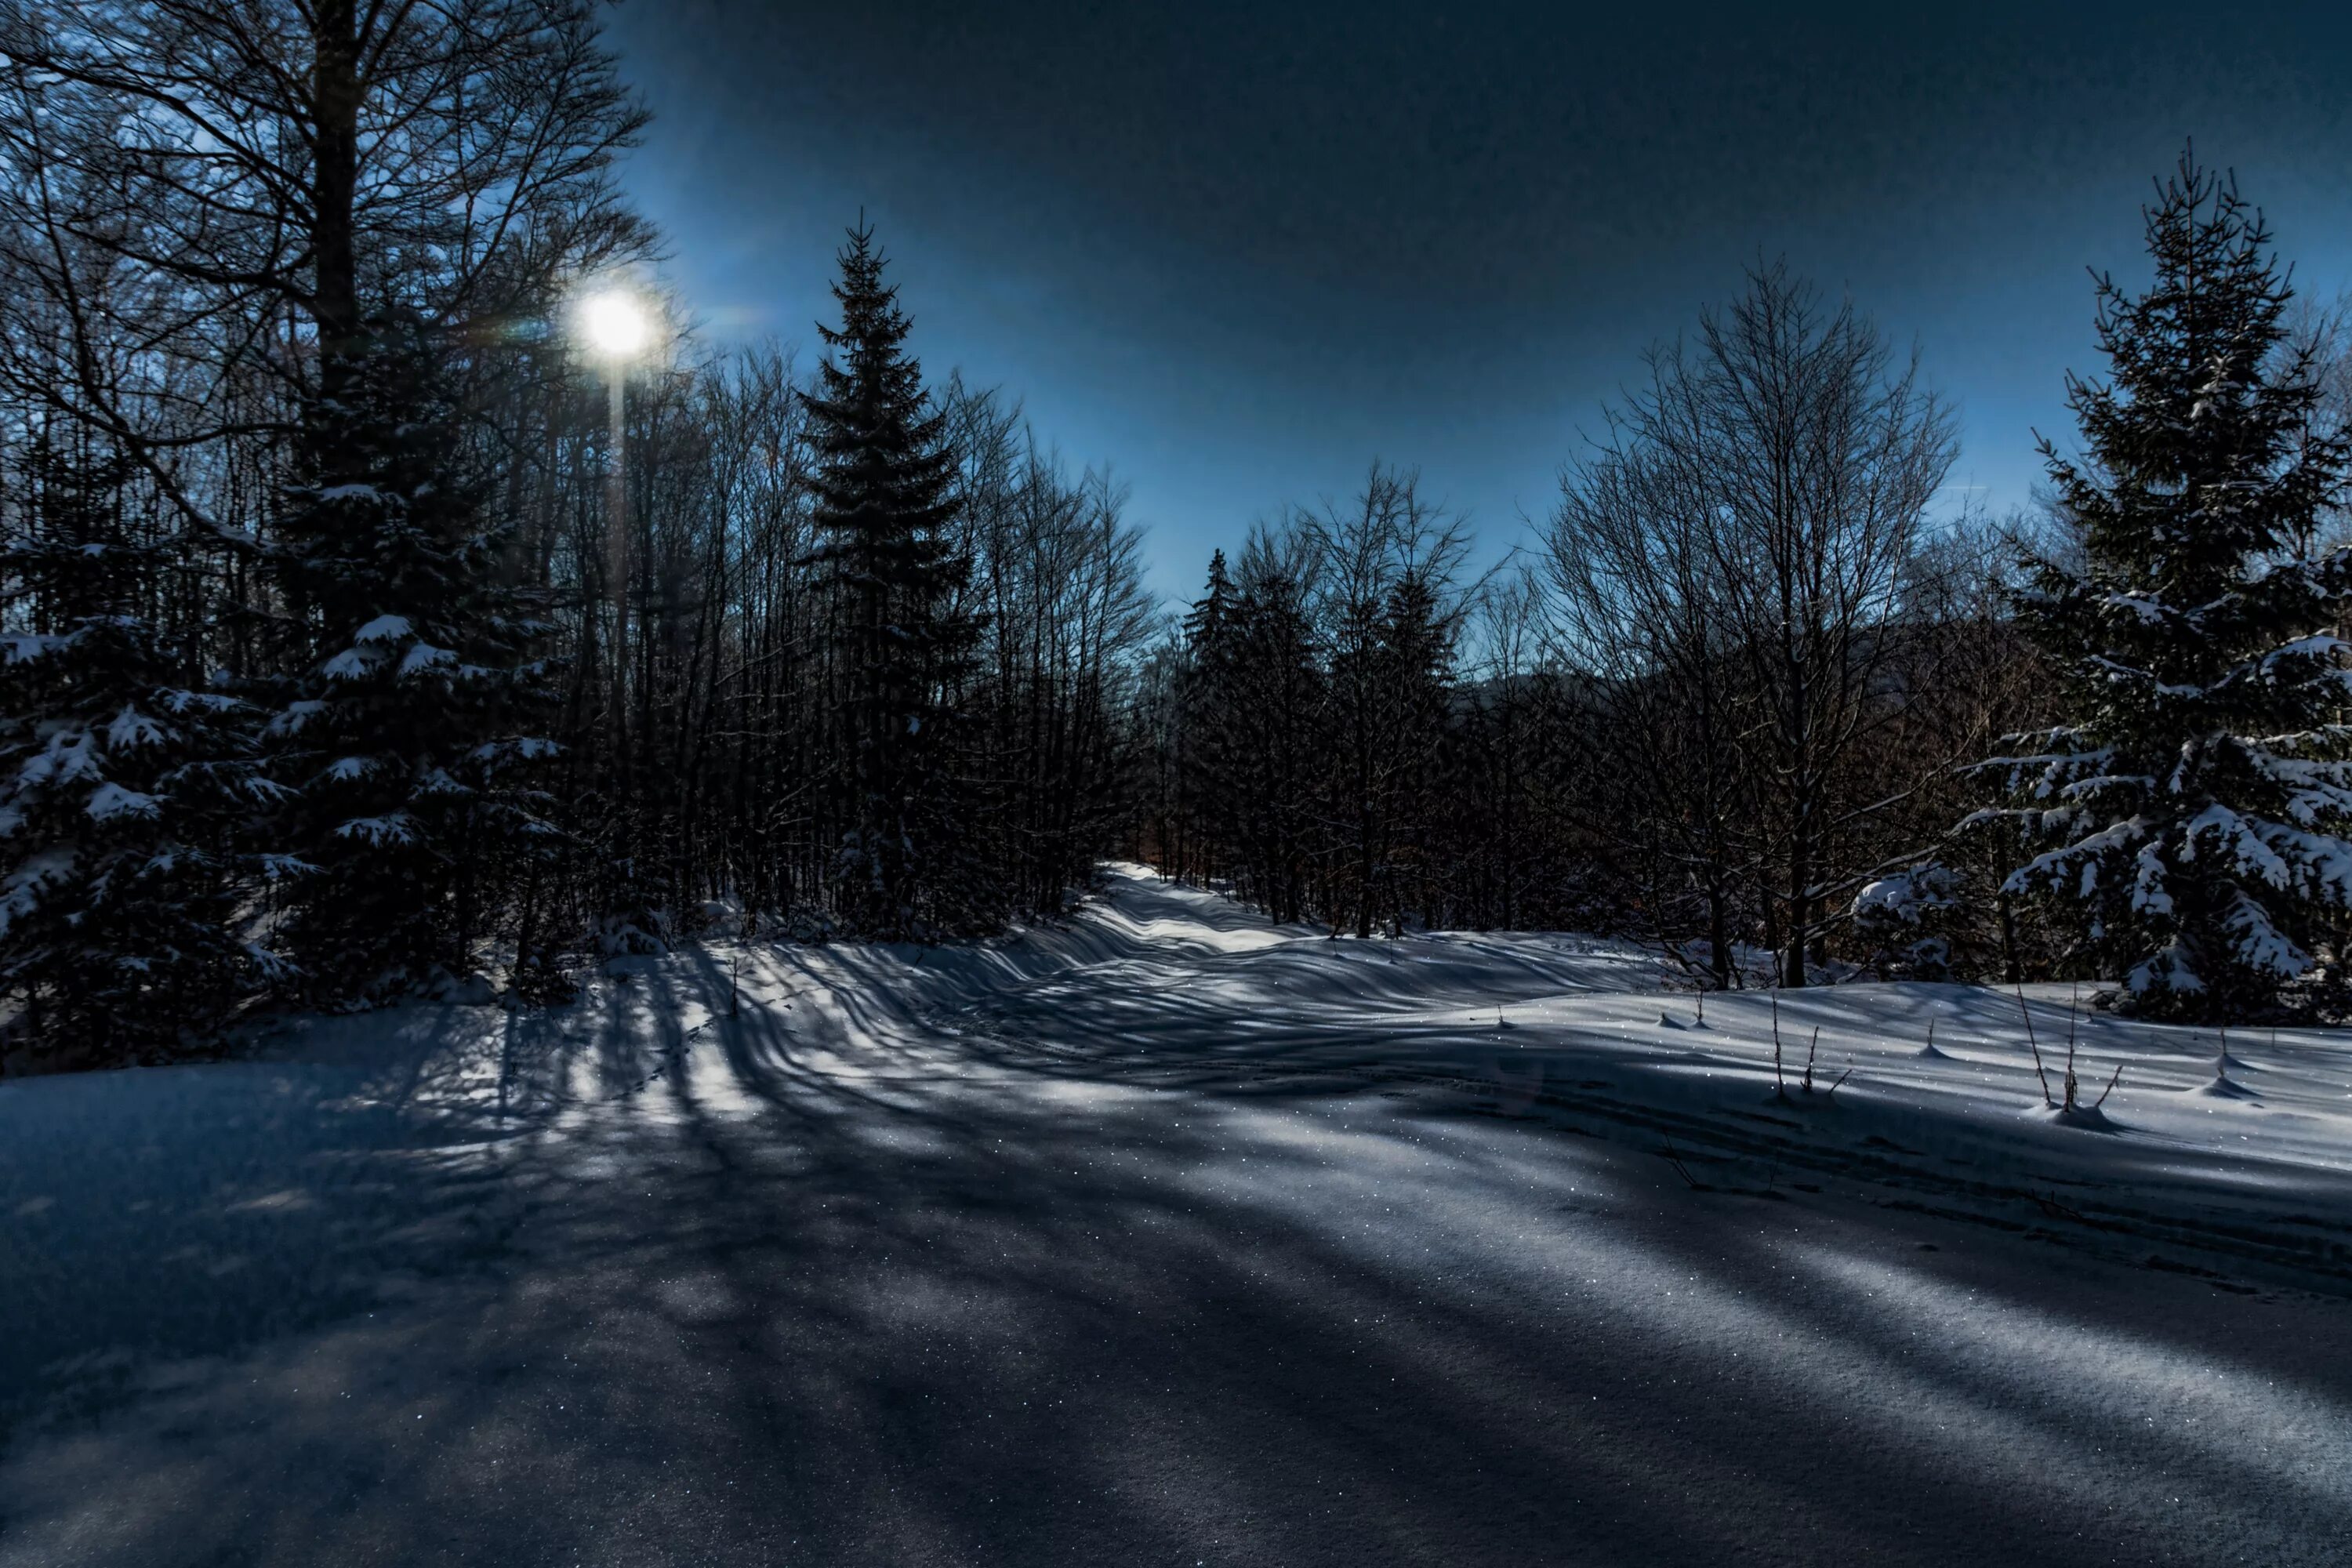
x,y
614,321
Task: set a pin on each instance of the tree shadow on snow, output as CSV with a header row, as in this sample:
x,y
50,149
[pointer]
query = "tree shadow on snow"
x,y
656,1278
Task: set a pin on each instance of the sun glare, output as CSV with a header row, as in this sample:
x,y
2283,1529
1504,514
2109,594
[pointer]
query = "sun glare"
x,y
614,323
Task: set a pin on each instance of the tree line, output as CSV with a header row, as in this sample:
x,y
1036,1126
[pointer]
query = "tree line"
x,y
334,669
1760,695
362,636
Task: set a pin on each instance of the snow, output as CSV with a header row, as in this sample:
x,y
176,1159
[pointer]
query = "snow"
x,y
424,657
397,827
295,715
526,749
109,800
22,648
2147,611
21,891
353,664
2319,646
132,730
1905,897
1168,1235
68,758
184,701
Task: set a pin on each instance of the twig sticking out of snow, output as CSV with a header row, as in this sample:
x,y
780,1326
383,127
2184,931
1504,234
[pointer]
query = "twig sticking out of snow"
x,y
2056,1210
1831,1093
2071,998
2035,1046
1929,1051
2221,1064
2225,1061
2110,1089
1780,1085
1811,1052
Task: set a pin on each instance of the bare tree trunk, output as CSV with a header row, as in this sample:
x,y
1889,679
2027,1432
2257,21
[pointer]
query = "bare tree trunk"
x,y
334,187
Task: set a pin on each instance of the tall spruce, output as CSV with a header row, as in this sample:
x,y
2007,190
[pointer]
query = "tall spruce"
x,y
1274,732
2194,808
885,489
407,733
124,787
1417,652
1201,721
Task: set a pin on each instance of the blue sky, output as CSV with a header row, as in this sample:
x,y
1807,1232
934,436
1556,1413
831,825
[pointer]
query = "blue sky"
x,y
1236,252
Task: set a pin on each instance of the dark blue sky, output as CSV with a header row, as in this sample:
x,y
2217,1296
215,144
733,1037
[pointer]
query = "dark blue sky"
x,y
1236,251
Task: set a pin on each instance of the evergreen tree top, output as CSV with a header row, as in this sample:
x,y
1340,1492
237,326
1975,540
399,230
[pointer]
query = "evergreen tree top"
x,y
872,377
1209,612
2197,457
885,466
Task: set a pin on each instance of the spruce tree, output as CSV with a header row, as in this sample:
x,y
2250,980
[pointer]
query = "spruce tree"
x,y
407,731
2193,805
1206,621
1417,651
1203,691
124,787
885,499
1271,735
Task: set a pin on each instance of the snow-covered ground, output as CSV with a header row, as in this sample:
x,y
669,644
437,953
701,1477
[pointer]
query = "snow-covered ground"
x,y
1170,1236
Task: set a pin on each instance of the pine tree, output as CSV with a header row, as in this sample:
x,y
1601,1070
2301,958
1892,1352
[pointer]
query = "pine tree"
x,y
123,786
1271,736
1417,648
2195,804
885,499
1199,725
405,734
1206,621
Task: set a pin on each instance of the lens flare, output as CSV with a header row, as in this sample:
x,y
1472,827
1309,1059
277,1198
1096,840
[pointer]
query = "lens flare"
x,y
614,323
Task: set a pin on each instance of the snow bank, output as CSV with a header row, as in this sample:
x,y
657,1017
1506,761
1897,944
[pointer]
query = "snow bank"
x,y
1019,1245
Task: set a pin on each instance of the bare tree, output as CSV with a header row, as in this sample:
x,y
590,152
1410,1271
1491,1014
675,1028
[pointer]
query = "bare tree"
x,y
1390,603
1645,618
1735,563
1824,454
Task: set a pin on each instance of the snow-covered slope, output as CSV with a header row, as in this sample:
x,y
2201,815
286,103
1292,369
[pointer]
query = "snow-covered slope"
x,y
2253,1164
1171,1235
1931,1093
